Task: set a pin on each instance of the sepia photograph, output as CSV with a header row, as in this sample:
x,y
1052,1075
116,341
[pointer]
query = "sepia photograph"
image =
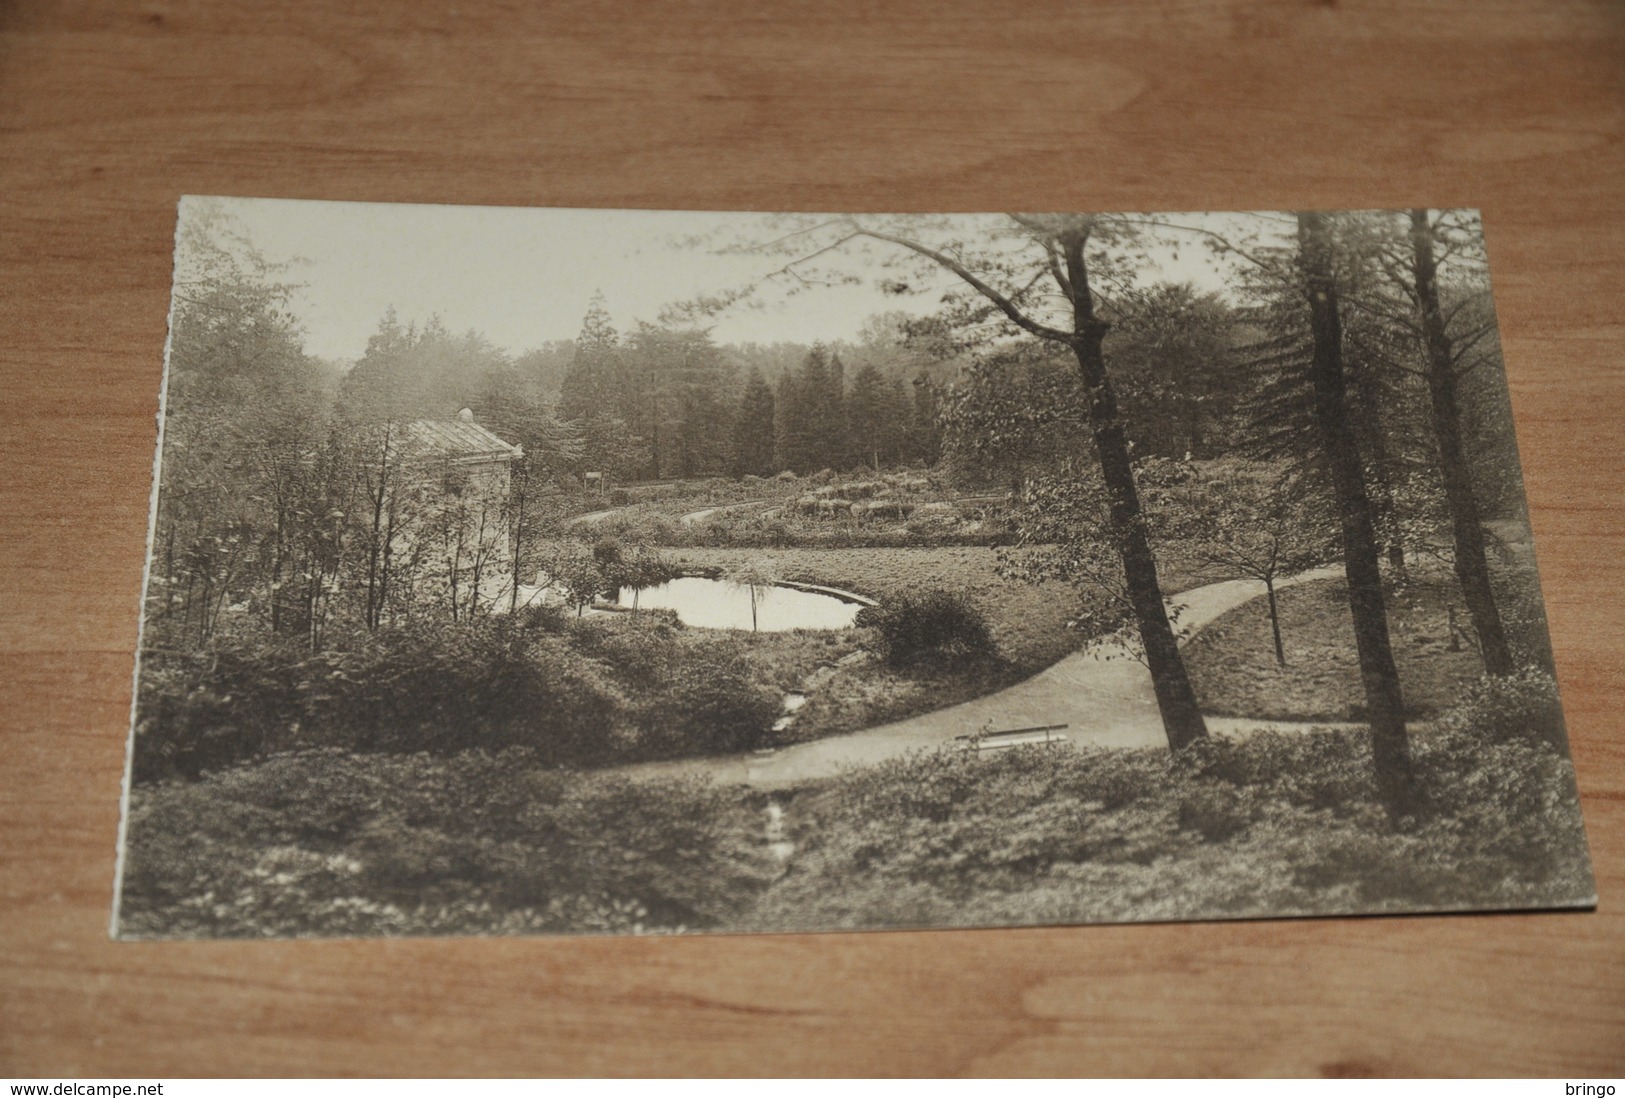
x,y
560,571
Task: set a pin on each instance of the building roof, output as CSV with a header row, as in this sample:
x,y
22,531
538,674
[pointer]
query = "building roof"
x,y
461,440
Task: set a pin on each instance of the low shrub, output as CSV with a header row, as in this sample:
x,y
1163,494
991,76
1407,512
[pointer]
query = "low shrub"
x,y
933,625
325,842
491,684
644,655
714,707
330,842
1520,706
1271,824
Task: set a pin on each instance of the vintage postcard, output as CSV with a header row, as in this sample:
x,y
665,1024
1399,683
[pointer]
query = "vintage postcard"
x,y
536,571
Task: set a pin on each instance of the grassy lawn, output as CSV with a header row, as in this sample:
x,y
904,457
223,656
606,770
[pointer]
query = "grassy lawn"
x,y
1233,667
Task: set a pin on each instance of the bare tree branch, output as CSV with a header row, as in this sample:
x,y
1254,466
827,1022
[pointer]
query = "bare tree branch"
x,y
1462,304
1054,255
1261,264
1004,304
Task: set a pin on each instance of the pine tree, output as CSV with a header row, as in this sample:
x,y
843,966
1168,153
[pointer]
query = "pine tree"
x,y
753,428
590,385
808,430
832,416
925,434
870,428
682,399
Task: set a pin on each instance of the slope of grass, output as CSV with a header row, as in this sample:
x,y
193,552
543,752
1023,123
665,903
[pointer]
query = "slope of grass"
x,y
1233,667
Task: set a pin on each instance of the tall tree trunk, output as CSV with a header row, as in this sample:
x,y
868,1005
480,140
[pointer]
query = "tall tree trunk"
x,y
517,486
379,493
1176,700
1366,403
278,553
1390,746
1472,567
1275,621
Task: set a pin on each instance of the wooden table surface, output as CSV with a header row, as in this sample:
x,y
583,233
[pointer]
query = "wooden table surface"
x,y
108,112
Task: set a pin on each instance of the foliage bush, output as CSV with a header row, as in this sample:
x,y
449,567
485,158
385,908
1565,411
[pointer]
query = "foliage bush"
x,y
331,842
593,692
645,654
715,707
326,842
806,521
1520,706
933,625
1272,824
490,683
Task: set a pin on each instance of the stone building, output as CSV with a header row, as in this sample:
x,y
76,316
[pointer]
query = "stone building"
x,y
464,455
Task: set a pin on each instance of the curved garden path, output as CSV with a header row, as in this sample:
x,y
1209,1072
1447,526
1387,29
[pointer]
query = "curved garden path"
x,y
1103,694
700,516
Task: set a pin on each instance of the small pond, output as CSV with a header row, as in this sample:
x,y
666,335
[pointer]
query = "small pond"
x,y
717,604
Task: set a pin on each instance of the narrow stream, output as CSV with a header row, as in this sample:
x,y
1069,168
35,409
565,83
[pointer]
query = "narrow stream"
x,y
777,843
792,703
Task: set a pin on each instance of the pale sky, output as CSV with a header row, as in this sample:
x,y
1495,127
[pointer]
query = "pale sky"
x,y
524,276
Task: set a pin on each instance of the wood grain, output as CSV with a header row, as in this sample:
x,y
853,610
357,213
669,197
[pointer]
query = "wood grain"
x,y
108,112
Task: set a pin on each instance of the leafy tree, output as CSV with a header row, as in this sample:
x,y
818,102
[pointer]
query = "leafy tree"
x,y
1173,350
1067,534
467,527
643,567
1249,517
1018,413
925,436
544,367
245,418
577,574
379,459
755,575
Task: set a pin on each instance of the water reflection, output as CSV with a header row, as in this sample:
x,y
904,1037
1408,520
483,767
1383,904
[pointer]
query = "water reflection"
x,y
717,604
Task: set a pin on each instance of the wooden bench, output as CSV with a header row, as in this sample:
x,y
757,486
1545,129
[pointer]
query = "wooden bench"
x,y
1014,737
